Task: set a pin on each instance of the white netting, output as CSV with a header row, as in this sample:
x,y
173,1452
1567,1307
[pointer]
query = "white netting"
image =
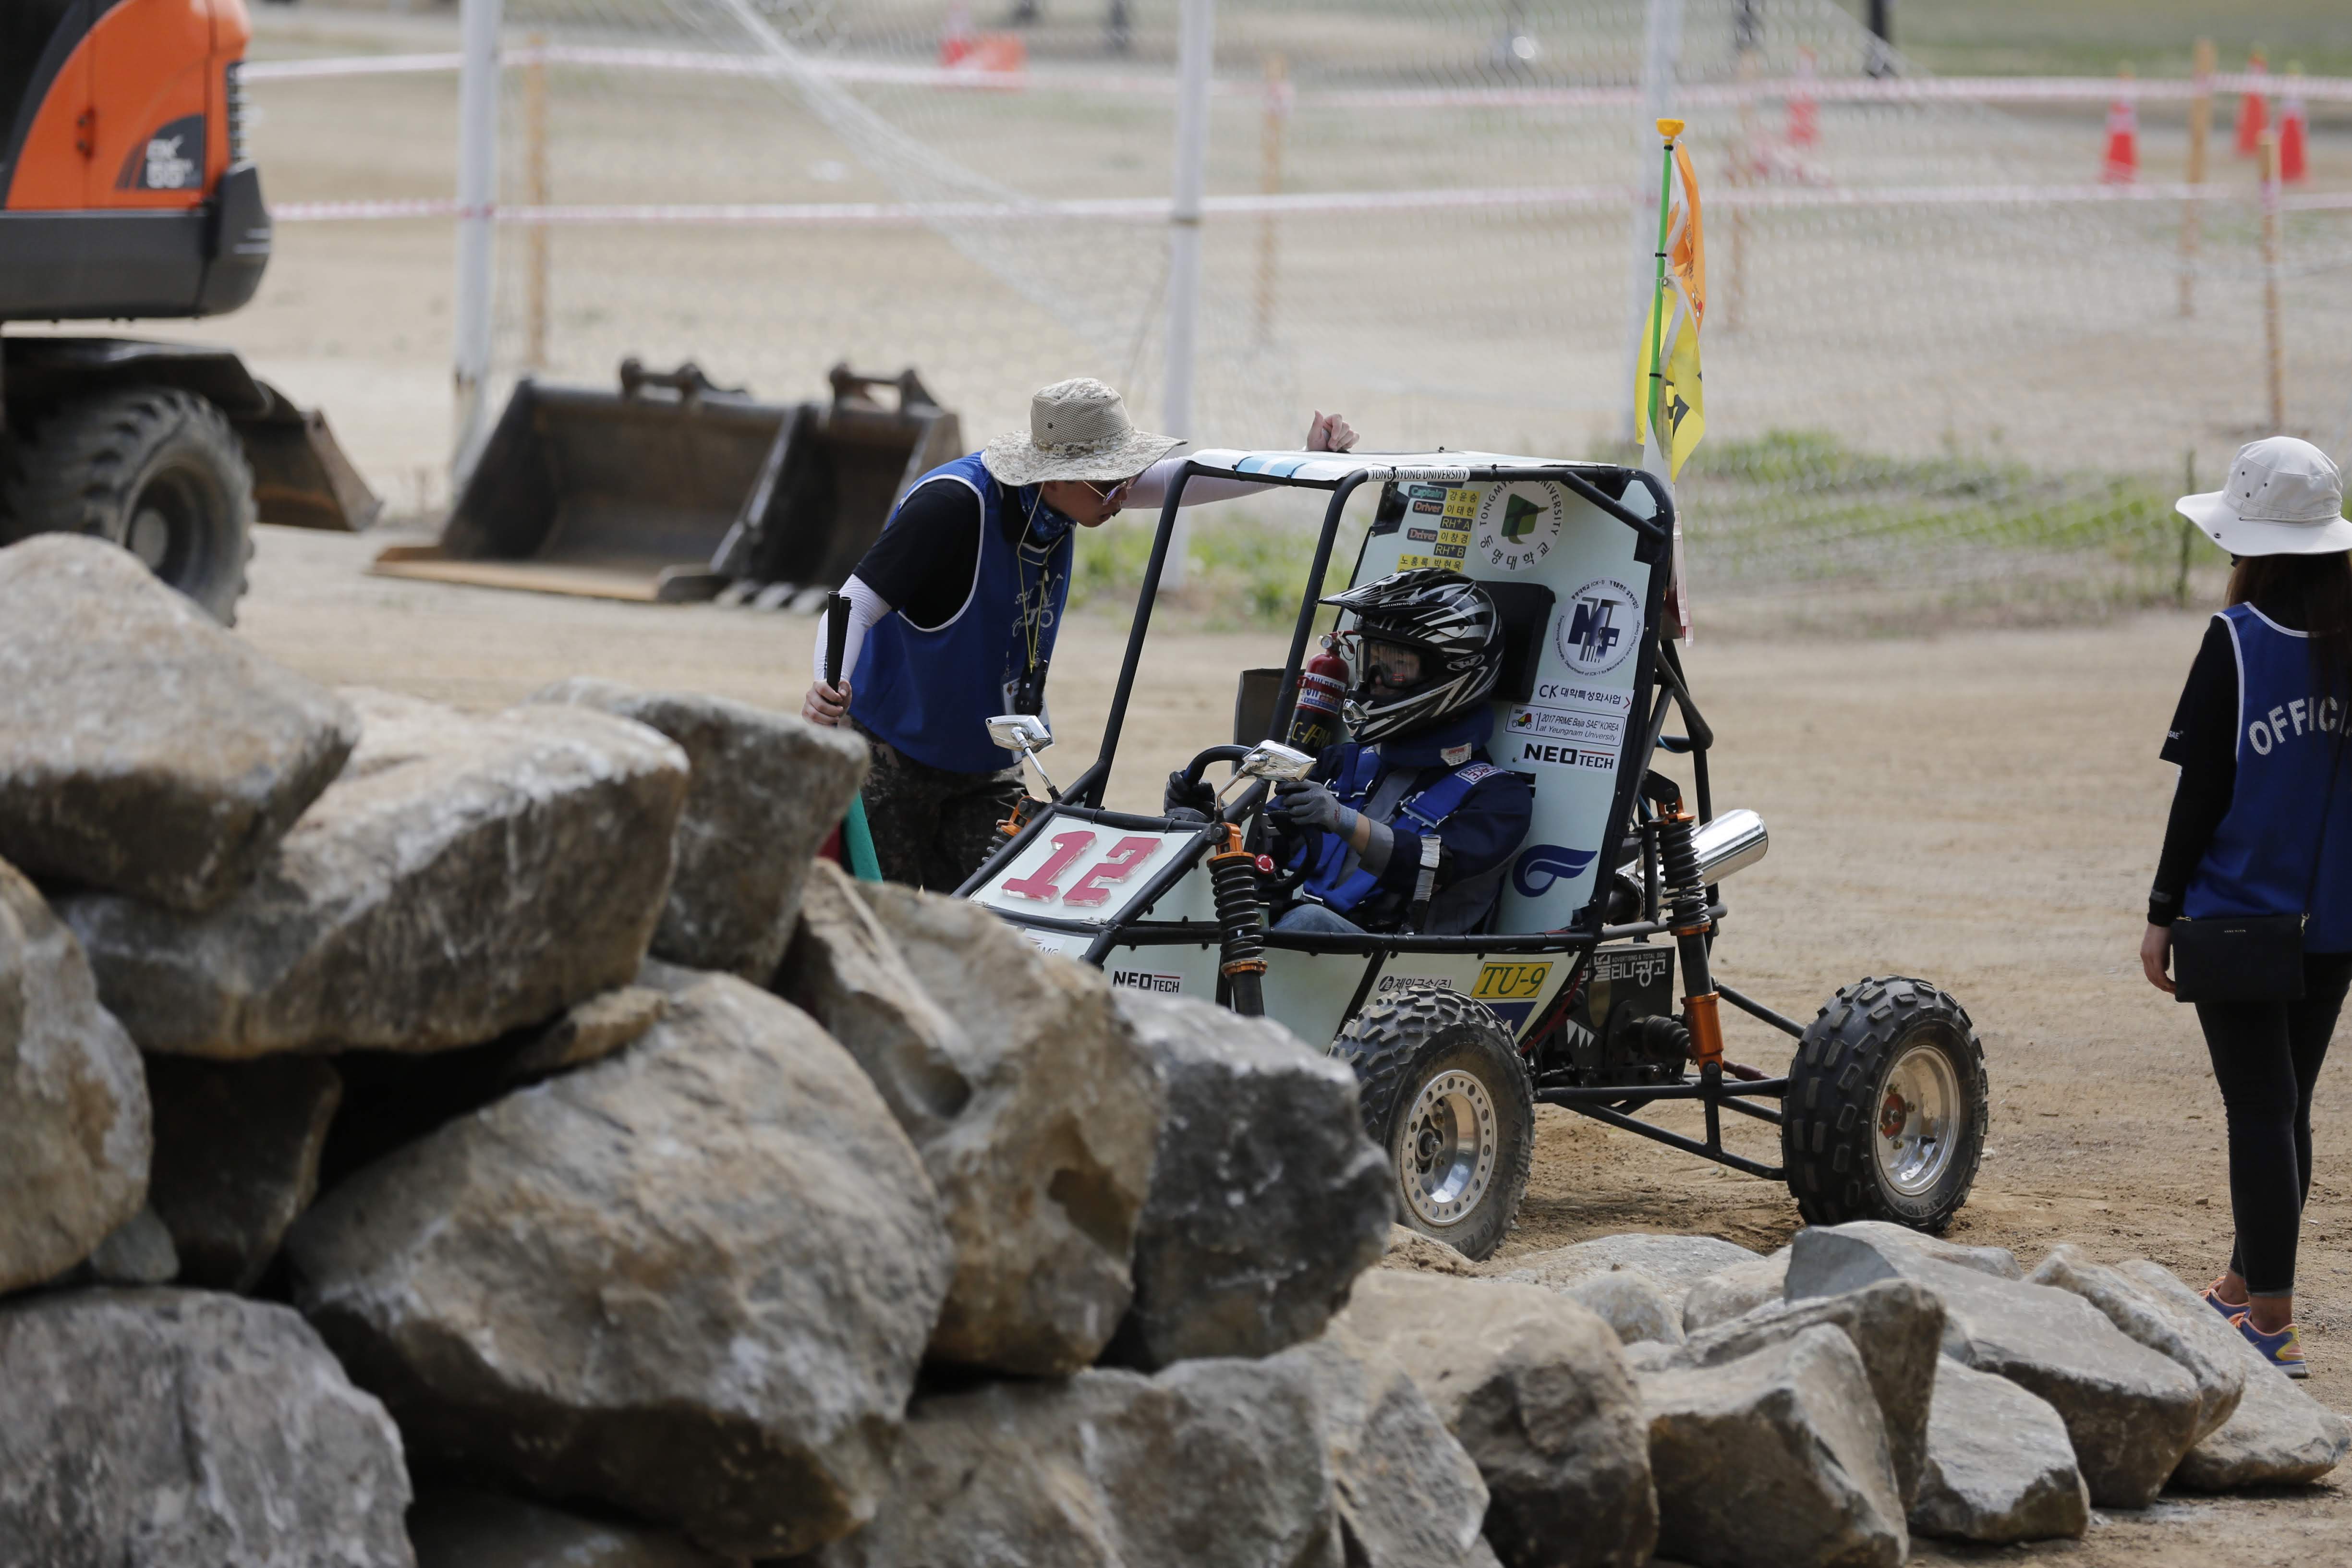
x,y
1923,374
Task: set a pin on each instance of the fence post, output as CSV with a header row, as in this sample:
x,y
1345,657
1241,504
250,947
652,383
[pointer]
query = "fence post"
x,y
2188,530
478,177
1277,112
1662,48
536,238
2273,351
1195,49
2200,129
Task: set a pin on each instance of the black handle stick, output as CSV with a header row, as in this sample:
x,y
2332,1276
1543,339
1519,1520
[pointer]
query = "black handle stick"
x,y
836,636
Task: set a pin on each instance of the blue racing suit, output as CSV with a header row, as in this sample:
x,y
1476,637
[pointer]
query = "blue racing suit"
x,y
1454,814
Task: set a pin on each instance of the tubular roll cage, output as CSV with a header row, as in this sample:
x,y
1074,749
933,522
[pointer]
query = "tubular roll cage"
x,y
1658,667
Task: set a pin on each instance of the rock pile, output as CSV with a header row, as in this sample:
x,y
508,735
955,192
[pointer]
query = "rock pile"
x,y
453,1140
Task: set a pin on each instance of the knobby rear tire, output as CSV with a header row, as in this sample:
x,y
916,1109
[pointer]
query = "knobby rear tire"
x,y
1891,1034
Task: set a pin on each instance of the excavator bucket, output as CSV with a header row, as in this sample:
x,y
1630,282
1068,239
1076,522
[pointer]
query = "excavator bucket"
x,y
301,477
671,489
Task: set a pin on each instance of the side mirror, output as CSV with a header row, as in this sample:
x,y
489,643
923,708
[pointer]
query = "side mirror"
x,y
1027,735
1273,761
1020,732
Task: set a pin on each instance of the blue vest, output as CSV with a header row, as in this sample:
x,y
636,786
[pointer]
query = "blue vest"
x,y
932,693
2260,859
1329,879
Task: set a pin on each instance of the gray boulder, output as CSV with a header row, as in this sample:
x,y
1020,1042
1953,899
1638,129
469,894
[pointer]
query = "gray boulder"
x,y
1209,1462
693,1280
1535,1389
1407,1494
1728,1293
2278,1436
2129,1412
1999,1468
1896,1325
1043,1168
1266,1198
236,1158
1674,1263
462,877
766,789
2205,1355
586,1032
143,748
453,1528
1629,1301
172,1426
73,1159
1776,1459
1997,1261
138,1252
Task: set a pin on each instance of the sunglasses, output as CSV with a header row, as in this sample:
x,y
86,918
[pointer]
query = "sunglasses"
x,y
1110,493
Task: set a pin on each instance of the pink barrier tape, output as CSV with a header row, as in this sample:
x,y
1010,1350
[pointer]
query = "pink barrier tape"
x,y
1829,90
1148,209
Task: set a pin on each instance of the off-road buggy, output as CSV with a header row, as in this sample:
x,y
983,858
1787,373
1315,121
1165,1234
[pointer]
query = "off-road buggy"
x,y
1566,994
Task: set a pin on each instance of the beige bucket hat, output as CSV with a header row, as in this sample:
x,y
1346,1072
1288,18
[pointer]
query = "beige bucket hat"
x,y
1078,429
2285,497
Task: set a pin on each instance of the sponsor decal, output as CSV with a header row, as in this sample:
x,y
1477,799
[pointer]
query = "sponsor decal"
x,y
1436,508
1455,756
1551,752
1584,696
1594,731
1642,968
1422,535
1142,980
1409,982
1541,865
1517,524
1598,627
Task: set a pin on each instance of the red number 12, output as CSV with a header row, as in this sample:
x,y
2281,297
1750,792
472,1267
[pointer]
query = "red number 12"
x,y
1125,856
1039,885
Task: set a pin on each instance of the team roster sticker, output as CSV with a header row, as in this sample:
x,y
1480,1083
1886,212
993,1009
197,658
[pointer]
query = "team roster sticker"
x,y
1517,524
1598,627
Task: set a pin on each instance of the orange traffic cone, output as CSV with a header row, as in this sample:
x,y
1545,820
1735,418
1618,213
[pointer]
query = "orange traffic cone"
x,y
2122,166
1804,112
2252,111
2292,118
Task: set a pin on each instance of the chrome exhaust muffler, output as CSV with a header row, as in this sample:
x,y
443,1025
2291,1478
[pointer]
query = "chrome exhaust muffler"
x,y
1732,842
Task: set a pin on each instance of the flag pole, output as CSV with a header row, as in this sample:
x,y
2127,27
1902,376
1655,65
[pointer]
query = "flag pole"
x,y
1668,130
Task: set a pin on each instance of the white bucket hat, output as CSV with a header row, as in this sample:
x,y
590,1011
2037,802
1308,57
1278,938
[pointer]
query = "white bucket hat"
x,y
2285,497
1078,429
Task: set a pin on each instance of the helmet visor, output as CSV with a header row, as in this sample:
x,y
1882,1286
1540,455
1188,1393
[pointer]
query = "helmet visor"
x,y
1389,668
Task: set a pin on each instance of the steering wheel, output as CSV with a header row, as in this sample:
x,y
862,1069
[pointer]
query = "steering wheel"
x,y
1280,885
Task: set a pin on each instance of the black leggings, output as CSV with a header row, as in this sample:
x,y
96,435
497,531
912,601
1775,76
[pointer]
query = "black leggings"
x,y
2266,1057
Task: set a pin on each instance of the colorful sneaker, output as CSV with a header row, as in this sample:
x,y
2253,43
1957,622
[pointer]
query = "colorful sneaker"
x,y
2283,1350
2212,1294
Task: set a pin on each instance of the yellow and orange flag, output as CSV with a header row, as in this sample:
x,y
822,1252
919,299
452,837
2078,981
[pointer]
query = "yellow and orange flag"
x,y
1683,403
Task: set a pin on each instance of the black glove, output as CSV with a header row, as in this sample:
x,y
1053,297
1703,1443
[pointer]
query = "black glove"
x,y
1301,803
1198,794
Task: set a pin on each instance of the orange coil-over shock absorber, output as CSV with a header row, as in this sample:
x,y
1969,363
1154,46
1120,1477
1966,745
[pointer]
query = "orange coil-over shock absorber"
x,y
1233,874
1687,917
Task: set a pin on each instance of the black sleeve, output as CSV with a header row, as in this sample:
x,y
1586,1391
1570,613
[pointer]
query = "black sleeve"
x,y
922,565
2203,741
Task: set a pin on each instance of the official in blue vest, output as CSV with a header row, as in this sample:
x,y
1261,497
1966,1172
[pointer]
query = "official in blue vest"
x,y
2262,824
954,610
1409,825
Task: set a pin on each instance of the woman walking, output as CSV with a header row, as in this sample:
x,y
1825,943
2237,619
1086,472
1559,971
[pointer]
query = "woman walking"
x,y
2257,861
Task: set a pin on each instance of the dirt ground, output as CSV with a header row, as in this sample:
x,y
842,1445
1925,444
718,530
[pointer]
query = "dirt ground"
x,y
1983,810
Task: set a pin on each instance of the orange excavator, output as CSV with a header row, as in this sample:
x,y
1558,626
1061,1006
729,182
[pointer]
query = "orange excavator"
x,y
126,192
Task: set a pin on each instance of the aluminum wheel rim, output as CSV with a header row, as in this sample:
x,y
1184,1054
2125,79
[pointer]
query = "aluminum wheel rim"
x,y
1445,1150
1919,1120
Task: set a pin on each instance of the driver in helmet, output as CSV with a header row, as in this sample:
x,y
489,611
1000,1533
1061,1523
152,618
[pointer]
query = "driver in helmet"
x,y
1409,825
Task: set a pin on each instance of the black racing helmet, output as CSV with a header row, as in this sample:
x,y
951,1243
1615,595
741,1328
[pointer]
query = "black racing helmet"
x,y
1449,621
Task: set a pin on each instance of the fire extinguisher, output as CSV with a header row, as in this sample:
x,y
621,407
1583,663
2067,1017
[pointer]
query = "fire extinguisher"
x,y
1322,682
